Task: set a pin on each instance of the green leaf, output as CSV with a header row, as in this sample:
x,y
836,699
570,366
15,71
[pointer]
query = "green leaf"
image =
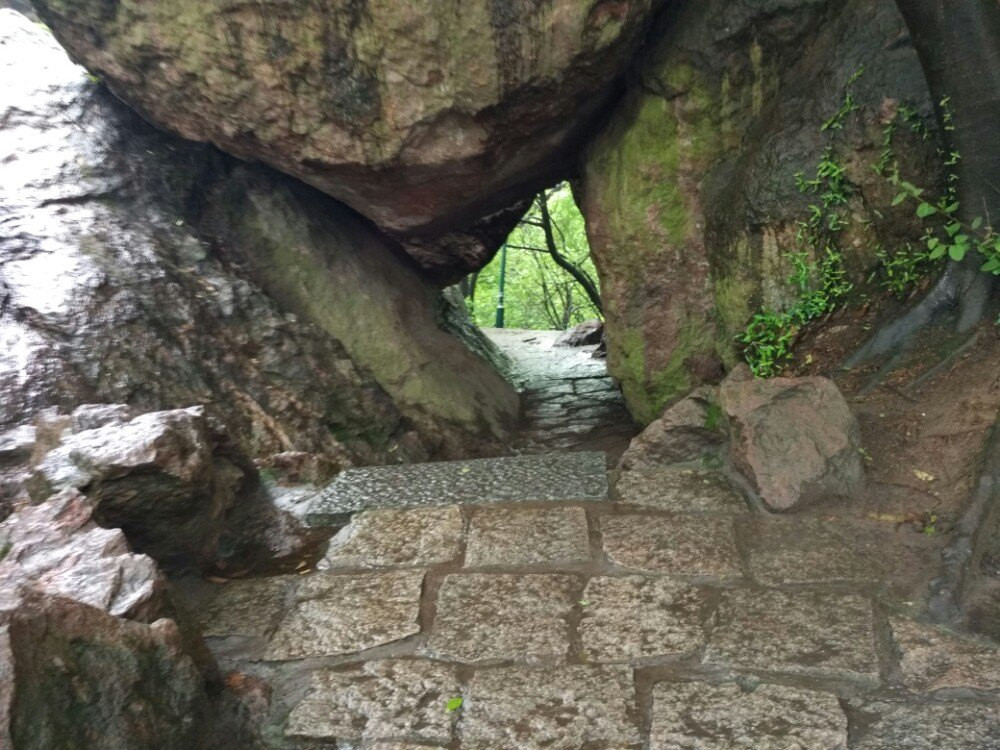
x,y
899,199
453,705
991,266
932,243
957,252
962,239
925,209
977,222
953,228
938,252
952,208
910,188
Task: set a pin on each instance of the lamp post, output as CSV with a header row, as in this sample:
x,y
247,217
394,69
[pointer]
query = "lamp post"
x,y
503,278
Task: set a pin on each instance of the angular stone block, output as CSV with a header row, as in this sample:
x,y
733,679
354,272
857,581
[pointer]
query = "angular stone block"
x,y
503,536
346,614
566,708
803,632
401,700
687,545
679,490
931,659
396,538
569,477
931,726
484,617
250,607
634,618
725,717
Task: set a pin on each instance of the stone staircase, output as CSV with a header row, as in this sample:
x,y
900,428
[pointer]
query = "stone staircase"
x,y
516,604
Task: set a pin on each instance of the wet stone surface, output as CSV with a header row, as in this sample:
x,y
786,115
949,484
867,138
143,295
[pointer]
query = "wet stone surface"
x,y
679,491
559,709
930,659
484,617
569,477
248,608
929,726
503,536
345,614
387,538
570,403
635,618
402,700
699,716
686,545
802,632
798,551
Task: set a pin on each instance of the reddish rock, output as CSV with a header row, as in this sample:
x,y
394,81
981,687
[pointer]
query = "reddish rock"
x,y
795,439
687,431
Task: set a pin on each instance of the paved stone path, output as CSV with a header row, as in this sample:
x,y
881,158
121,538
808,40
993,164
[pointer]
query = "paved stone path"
x,y
667,616
570,402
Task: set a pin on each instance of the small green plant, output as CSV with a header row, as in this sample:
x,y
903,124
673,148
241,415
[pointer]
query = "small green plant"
x,y
453,704
900,271
713,417
950,236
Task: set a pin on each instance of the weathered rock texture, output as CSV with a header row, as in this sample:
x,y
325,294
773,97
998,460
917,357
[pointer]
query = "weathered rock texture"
x,y
424,116
690,193
795,439
127,275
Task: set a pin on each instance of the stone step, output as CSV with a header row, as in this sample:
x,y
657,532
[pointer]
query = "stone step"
x,y
550,477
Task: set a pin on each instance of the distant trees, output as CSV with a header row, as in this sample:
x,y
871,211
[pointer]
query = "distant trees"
x,y
551,283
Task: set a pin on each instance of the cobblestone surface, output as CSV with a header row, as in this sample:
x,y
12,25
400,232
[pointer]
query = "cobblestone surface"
x,y
803,632
496,617
526,537
727,717
634,618
671,616
677,545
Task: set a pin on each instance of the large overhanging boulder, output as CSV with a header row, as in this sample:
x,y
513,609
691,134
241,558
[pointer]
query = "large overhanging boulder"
x,y
302,329
424,116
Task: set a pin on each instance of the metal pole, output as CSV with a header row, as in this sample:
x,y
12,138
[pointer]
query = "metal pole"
x,y
503,278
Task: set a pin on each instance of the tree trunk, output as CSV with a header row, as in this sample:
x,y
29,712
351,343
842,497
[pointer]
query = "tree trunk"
x,y
550,242
958,43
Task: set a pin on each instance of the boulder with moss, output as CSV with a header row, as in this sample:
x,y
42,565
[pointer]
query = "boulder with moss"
x,y
691,196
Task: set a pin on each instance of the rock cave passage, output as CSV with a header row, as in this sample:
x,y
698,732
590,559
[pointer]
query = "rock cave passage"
x,y
269,480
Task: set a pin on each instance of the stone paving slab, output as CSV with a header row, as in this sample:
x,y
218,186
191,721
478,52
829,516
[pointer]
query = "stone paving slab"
x,y
337,615
687,545
931,659
635,618
400,700
698,716
798,551
931,726
485,617
680,491
567,708
571,477
803,632
406,537
248,608
510,536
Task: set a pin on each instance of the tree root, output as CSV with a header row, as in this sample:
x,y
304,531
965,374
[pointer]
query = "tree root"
x,y
962,288
958,558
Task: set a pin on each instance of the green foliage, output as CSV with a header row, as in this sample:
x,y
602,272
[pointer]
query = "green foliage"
x,y
538,294
946,234
713,417
899,272
453,705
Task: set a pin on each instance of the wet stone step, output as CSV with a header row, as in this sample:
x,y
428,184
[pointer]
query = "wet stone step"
x,y
551,477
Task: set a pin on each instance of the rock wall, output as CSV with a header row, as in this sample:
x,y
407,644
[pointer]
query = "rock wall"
x,y
111,291
690,193
424,116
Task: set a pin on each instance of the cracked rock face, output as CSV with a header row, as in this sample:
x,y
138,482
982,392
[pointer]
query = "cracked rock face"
x,y
424,116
